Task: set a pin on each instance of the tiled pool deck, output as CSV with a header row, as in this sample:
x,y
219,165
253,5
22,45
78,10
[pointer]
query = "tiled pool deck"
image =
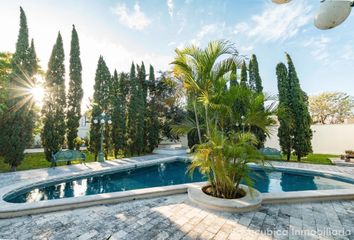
x,y
175,217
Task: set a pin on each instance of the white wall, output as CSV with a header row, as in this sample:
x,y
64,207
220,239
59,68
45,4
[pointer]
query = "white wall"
x,y
332,139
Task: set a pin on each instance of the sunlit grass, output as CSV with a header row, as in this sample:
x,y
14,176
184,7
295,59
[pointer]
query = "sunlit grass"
x,y
37,160
315,158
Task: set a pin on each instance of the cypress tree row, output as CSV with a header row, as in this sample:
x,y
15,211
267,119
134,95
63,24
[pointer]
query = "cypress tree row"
x,y
243,80
75,93
302,119
118,115
54,103
153,124
133,111
19,121
100,104
284,111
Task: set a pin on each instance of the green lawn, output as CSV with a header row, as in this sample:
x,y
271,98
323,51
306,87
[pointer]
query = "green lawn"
x,y
315,158
37,160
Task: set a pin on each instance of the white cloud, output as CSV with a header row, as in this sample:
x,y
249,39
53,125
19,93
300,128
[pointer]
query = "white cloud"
x,y
277,22
207,29
240,28
134,19
170,7
216,30
171,43
318,47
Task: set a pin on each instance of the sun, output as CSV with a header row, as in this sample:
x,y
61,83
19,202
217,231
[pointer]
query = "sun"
x,y
37,93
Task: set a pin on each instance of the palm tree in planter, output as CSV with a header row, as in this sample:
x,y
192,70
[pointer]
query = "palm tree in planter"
x,y
226,152
225,161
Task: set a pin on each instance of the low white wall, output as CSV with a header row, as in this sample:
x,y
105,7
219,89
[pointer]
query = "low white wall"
x,y
331,139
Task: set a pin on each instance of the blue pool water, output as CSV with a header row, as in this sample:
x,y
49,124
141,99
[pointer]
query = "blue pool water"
x,y
171,174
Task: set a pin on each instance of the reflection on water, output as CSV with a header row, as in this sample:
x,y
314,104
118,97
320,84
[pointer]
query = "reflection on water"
x,y
169,174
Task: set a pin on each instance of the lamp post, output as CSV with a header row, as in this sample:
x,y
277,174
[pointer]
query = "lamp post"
x,y
242,123
102,120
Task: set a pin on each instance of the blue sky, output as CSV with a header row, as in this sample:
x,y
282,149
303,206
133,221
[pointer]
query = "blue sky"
x,y
123,31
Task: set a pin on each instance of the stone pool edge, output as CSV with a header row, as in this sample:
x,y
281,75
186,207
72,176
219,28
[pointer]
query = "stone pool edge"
x,y
8,210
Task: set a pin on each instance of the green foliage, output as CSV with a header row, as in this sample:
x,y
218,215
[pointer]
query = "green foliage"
x,y
284,111
153,124
255,81
133,115
226,112
295,121
75,92
224,159
301,116
54,103
100,104
243,80
140,141
118,113
5,71
18,121
255,84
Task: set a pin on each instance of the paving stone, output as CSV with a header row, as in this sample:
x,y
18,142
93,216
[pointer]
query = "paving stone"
x,y
175,217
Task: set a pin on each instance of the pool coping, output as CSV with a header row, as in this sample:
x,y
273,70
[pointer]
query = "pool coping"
x,y
8,210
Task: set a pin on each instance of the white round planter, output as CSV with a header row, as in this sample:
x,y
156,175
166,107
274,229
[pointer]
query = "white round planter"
x,y
251,201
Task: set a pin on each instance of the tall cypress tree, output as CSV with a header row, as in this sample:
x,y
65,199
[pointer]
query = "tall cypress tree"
x,y
153,124
133,111
54,103
118,114
75,93
284,114
33,61
302,119
243,80
255,81
142,93
100,104
255,84
19,121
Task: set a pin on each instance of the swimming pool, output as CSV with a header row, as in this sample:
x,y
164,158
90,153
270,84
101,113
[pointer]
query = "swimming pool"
x,y
171,173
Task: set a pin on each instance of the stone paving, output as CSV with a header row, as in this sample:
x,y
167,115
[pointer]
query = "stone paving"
x,y
175,217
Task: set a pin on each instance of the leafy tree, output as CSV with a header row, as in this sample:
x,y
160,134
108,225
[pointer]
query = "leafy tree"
x,y
75,93
153,125
302,119
18,123
243,80
54,104
100,103
331,107
285,134
118,114
5,71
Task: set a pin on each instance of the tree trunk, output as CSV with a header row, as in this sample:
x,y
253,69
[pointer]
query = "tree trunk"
x,y
298,158
197,121
207,119
288,156
13,168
